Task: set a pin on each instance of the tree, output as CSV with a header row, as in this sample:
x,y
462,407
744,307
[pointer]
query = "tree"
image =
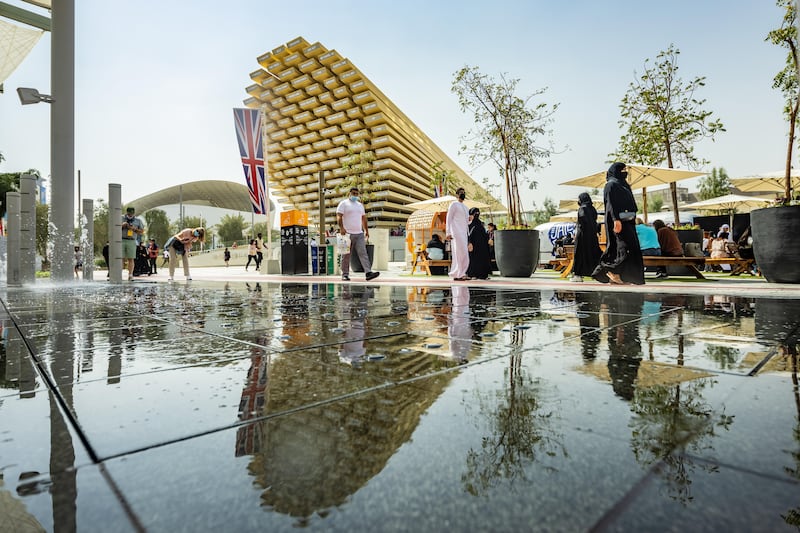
x,y
359,171
230,228
43,233
442,181
662,120
506,130
9,182
100,225
549,208
786,80
157,225
715,184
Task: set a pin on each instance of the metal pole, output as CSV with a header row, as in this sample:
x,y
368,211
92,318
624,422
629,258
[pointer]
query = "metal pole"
x,y
322,245
62,138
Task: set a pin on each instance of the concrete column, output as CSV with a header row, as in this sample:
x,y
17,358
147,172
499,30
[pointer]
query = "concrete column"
x,y
62,139
380,238
27,229
12,249
115,232
87,238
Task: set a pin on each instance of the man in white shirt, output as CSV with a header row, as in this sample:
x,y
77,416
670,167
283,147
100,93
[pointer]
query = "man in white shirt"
x,y
352,221
457,232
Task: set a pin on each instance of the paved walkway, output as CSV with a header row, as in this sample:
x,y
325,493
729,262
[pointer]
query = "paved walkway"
x,y
248,402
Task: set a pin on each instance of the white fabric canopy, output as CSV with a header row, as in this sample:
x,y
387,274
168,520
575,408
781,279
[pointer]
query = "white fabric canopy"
x,y
16,42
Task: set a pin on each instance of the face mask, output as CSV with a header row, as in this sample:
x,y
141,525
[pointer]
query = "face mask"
x,y
462,195
624,175
354,198
196,233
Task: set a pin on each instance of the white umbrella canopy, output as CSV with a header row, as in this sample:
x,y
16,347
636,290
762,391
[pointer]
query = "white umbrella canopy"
x,y
639,177
442,203
772,182
572,204
730,203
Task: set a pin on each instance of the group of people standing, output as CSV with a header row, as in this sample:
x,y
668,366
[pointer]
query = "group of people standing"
x,y
628,239
470,247
133,248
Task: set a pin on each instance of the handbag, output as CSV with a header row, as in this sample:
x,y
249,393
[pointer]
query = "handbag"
x,y
627,216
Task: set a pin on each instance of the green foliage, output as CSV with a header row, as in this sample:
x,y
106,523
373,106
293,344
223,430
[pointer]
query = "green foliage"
x,y
715,184
540,216
231,229
506,130
157,226
655,203
786,81
662,119
9,182
359,171
42,231
100,225
443,179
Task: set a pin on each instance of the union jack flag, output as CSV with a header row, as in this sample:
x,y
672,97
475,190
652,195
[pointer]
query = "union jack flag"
x,y
251,148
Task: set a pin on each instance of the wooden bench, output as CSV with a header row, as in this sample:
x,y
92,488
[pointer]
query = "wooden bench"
x,y
691,263
422,261
738,265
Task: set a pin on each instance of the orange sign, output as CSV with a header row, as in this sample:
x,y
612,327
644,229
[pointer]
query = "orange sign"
x,y
294,217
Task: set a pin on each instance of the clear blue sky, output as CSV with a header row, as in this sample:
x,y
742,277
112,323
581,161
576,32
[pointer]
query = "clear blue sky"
x,y
156,79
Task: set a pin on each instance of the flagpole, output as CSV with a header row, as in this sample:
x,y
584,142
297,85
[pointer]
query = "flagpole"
x,y
264,139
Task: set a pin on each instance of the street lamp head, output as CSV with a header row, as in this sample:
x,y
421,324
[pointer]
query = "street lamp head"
x,y
28,95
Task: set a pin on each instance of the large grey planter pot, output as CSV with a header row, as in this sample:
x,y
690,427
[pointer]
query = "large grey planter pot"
x,y
775,243
516,252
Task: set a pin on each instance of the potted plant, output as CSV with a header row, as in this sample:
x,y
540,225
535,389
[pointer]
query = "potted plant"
x,y
776,255
508,132
689,233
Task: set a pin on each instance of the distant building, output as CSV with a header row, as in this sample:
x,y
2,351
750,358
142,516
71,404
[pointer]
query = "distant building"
x,y
321,113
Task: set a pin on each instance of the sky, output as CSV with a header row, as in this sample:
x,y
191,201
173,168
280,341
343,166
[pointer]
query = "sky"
x,y
156,80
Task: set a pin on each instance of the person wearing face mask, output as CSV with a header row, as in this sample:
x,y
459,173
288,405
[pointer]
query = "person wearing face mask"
x,y
621,263
457,232
480,262
352,219
179,245
132,230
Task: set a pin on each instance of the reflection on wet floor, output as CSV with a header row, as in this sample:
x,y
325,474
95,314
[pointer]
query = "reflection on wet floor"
x,y
348,406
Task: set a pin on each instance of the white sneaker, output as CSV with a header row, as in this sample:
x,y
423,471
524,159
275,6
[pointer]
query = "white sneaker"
x,y
577,279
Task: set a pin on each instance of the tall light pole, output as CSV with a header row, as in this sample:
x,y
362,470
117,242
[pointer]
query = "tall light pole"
x,y
62,137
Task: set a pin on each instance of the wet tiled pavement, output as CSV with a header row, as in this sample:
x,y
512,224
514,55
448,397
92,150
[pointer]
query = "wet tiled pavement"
x,y
278,403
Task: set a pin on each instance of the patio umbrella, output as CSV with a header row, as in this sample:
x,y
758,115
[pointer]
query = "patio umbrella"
x,y
442,203
772,182
639,177
729,203
572,204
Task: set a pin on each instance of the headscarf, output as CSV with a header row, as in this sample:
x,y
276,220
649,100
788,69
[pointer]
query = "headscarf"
x,y
476,213
586,206
615,173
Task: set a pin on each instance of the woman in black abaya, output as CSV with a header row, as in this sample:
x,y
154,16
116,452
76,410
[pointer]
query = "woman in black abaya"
x,y
587,246
480,261
622,262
